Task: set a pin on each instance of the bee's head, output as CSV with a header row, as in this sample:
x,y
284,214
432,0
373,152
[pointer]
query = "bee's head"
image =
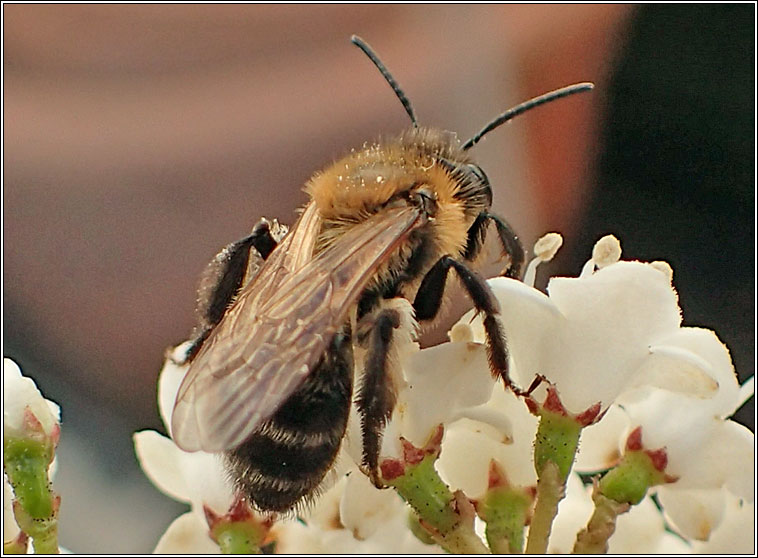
x,y
471,184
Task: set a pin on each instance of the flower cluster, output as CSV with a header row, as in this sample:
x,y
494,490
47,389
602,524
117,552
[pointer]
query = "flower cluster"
x,y
622,394
31,430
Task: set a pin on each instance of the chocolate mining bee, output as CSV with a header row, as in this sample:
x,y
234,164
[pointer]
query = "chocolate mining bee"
x,y
270,379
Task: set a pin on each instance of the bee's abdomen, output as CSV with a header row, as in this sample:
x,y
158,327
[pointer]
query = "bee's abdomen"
x,y
286,459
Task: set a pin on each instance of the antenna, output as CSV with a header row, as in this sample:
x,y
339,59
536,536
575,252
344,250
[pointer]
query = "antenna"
x,y
525,106
363,45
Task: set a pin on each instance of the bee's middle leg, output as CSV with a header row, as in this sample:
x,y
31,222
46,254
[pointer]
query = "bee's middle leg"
x,y
377,393
232,268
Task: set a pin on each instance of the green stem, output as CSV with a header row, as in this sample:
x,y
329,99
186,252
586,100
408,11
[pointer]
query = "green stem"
x,y
448,517
238,531
238,538
505,510
593,539
554,452
622,487
629,481
35,507
550,491
43,532
26,462
556,441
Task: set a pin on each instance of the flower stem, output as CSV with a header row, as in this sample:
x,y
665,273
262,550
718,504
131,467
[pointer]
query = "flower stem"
x,y
593,539
447,516
444,514
238,531
35,507
629,481
622,487
550,491
554,452
505,510
236,539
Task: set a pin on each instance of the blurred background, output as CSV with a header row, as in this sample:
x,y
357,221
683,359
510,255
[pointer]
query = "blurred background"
x,y
140,139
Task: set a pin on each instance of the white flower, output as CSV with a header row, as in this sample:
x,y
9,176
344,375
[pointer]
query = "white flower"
x,y
352,517
574,511
22,402
598,335
736,532
187,534
441,384
704,451
641,530
611,337
26,413
470,445
10,527
195,478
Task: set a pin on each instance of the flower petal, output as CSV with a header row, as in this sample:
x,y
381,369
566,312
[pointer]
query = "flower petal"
x,y
468,448
363,508
601,443
187,534
633,291
20,392
611,318
10,527
170,378
325,511
490,421
735,535
693,513
638,531
675,369
295,538
725,458
703,450
701,349
441,381
197,478
161,461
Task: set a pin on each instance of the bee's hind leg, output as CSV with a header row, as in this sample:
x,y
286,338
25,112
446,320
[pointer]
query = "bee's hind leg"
x,y
377,393
231,269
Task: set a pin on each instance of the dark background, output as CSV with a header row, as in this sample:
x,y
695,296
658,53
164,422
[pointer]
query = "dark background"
x,y
139,139
675,170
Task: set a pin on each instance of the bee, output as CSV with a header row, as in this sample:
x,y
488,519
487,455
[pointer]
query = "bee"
x,y
283,313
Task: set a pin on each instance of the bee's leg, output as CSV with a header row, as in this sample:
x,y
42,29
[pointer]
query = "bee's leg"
x,y
377,393
230,270
510,243
429,298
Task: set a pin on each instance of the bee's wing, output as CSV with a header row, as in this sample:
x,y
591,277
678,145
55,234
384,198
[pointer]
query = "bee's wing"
x,y
266,346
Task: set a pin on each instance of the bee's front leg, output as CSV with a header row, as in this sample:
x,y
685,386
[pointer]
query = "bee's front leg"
x,y
429,298
509,242
231,269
